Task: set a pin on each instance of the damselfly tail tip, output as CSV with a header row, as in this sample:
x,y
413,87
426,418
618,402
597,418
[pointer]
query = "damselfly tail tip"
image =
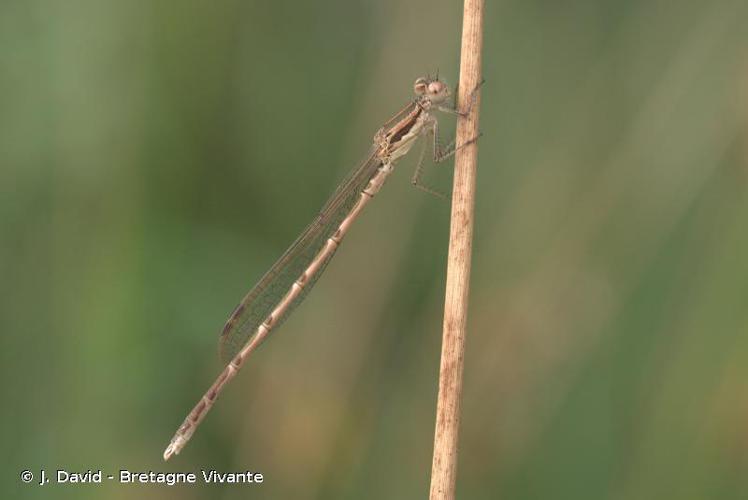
x,y
176,445
169,451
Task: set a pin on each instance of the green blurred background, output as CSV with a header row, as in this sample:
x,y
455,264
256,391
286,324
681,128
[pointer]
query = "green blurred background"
x,y
157,156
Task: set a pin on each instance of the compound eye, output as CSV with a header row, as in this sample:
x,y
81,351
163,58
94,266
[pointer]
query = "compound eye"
x,y
435,88
420,86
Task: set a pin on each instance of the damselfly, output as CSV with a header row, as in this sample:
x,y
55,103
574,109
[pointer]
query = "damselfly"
x,y
286,284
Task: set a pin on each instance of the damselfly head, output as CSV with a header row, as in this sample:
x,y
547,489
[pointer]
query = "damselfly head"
x,y
432,89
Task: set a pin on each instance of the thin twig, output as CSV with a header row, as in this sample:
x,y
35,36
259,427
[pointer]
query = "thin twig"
x,y
444,466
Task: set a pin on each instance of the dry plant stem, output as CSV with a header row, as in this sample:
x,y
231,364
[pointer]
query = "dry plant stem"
x,y
444,466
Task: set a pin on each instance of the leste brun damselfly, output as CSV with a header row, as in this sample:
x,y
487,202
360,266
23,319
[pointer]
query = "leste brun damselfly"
x,y
286,284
